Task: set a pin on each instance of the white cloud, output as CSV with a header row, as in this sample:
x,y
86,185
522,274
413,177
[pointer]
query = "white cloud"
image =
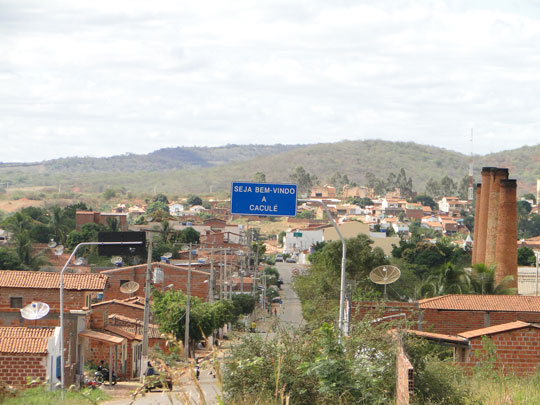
x,y
104,78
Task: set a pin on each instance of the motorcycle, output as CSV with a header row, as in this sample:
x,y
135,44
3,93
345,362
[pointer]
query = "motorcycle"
x,y
103,375
88,383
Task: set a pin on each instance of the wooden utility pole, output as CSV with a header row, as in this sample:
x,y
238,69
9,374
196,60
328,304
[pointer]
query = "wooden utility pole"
x,y
146,316
188,305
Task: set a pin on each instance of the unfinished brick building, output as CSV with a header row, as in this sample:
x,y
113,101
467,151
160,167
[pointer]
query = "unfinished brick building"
x,y
495,224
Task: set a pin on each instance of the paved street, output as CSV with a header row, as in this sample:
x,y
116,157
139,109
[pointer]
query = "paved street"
x,y
290,314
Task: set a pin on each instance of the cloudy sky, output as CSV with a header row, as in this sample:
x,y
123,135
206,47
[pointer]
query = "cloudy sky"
x,y
99,78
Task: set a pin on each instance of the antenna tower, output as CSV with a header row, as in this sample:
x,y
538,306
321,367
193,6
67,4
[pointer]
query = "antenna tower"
x,y
471,180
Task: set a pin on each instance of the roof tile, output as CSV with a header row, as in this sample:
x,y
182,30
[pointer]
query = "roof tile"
x,y
41,279
491,303
24,339
491,330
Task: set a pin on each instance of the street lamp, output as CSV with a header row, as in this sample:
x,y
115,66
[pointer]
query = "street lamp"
x,y
341,323
62,357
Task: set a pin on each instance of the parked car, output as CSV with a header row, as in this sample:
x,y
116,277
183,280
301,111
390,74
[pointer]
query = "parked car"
x,y
291,260
279,258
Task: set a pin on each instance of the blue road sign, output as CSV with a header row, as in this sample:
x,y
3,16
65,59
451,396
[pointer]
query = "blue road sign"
x,y
263,199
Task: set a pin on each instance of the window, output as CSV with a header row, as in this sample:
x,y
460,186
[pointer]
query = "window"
x,y
15,302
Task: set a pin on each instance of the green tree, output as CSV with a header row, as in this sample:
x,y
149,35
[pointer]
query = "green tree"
x,y
529,196
194,200
483,281
280,237
9,260
433,188
189,235
244,304
426,201
448,187
161,198
526,256
157,207
109,194
259,177
113,224
302,178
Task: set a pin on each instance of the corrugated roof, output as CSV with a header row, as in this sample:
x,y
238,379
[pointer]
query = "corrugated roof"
x,y
491,330
470,302
40,279
24,339
119,302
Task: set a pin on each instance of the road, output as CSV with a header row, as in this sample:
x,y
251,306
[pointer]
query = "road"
x,y
290,314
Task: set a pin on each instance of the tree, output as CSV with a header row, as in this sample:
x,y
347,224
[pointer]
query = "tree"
x,y
426,201
113,224
362,202
109,193
161,198
433,188
448,187
302,178
9,260
189,235
157,207
194,200
58,225
529,196
404,184
483,281
526,256
280,237
244,304
463,189
259,177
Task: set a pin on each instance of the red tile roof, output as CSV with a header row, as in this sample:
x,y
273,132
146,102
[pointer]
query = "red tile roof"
x,y
131,326
134,304
101,337
470,302
24,339
41,279
491,330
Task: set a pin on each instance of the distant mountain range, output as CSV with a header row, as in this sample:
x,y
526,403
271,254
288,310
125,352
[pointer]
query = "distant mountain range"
x,y
202,170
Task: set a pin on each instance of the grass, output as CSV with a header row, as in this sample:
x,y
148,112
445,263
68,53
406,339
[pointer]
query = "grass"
x,y
40,396
510,389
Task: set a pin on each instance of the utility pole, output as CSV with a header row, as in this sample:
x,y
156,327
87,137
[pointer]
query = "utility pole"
x,y
225,275
188,305
230,280
146,316
211,286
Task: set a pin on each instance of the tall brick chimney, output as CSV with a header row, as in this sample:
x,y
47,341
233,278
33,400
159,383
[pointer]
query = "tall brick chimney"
x,y
483,217
476,227
496,174
506,252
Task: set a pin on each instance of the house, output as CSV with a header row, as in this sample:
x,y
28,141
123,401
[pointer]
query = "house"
x,y
400,227
452,205
163,276
176,209
325,191
354,228
217,239
357,192
102,218
451,314
29,352
301,239
414,211
135,211
516,347
20,288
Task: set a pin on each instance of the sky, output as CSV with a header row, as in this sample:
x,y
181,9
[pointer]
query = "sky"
x,y
104,78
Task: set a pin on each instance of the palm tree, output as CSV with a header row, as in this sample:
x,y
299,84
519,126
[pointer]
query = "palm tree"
x,y
483,281
449,280
58,224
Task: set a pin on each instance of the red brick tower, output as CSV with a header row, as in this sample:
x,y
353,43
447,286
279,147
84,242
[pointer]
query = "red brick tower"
x,y
506,252
496,175
476,215
483,216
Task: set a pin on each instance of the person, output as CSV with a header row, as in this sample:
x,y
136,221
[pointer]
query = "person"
x,y
253,327
275,311
197,371
150,369
101,365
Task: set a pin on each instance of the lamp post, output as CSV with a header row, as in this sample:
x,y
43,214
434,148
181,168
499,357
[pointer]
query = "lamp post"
x,y
62,357
341,323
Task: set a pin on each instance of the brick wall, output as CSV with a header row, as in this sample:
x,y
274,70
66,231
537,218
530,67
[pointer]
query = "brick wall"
x,y
517,351
17,367
100,313
175,276
73,299
441,321
404,377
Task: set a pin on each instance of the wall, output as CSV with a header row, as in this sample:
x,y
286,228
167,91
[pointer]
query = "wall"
x,y
17,367
73,299
404,377
517,351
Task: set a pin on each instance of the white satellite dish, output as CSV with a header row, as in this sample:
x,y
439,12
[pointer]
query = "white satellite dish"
x,y
35,310
149,219
51,244
80,261
116,260
385,275
129,287
59,250
168,255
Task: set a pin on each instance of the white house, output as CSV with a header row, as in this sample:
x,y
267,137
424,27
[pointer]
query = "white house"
x,y
176,209
301,239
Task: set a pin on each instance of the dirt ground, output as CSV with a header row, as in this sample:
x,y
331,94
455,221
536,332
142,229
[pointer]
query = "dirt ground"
x,y
15,205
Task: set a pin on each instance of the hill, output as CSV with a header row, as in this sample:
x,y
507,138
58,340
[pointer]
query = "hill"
x,y
204,170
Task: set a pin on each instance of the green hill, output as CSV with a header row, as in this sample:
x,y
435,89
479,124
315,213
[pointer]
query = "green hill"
x,y
204,170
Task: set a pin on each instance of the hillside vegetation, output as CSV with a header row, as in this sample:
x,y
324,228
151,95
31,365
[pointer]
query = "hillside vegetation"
x,y
205,170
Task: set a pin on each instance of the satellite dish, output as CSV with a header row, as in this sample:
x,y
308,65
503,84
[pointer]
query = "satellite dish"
x,y
129,287
116,260
149,219
168,255
51,244
35,310
385,275
80,261
59,250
